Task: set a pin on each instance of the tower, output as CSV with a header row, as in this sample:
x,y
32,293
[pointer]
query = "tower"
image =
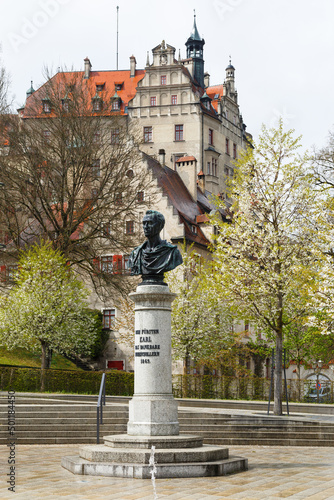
x,y
230,76
195,46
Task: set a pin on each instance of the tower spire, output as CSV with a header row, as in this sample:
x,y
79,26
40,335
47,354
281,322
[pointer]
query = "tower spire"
x,y
195,46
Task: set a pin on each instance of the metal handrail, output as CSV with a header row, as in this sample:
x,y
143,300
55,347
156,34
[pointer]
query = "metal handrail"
x,y
99,407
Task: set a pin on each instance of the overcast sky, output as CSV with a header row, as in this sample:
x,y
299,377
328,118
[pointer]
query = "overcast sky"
x,y
282,49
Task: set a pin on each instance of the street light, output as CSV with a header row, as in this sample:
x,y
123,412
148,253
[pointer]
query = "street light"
x,y
317,365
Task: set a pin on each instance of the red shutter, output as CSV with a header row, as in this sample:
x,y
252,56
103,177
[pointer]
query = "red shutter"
x,y
3,273
97,264
117,263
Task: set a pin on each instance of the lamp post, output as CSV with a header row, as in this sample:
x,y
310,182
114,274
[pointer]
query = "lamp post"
x,y
317,365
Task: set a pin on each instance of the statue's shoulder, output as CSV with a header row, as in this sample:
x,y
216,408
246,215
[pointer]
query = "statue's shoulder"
x,y
166,243
137,249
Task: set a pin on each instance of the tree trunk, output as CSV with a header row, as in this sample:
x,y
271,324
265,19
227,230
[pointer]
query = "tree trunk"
x,y
299,382
44,364
278,374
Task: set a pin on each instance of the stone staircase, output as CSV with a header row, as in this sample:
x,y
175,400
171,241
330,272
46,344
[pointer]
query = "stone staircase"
x,y
72,419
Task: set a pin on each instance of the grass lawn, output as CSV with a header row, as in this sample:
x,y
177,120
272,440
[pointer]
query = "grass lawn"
x,y
22,357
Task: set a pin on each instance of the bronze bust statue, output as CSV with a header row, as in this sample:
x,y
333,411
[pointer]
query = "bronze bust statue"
x,y
155,256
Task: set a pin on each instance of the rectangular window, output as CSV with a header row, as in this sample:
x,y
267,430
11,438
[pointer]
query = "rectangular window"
x,y
174,99
97,137
106,229
153,101
126,267
115,136
163,80
227,146
118,198
210,136
108,318
214,166
130,227
148,134
96,172
208,169
94,193
234,151
97,105
115,105
46,135
179,132
12,271
46,107
64,103
140,196
107,264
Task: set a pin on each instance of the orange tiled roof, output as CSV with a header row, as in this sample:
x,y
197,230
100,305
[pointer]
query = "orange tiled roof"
x,y
215,92
186,158
108,78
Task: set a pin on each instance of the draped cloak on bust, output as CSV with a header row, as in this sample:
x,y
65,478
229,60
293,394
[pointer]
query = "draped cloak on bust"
x,y
146,261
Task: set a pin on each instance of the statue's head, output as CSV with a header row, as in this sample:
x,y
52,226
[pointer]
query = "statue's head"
x,y
153,223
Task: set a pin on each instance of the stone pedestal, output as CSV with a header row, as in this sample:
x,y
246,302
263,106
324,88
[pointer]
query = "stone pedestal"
x,y
153,410
153,422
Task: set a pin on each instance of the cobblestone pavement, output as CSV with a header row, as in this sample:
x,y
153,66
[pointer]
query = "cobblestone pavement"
x,y
274,473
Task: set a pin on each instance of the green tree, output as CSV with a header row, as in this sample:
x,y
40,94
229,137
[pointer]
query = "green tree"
x,y
46,308
201,323
266,255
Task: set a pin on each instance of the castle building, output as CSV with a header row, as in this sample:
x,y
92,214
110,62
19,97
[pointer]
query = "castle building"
x,y
178,111
191,134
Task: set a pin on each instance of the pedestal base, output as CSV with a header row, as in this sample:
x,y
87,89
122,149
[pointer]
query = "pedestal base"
x,y
177,456
153,416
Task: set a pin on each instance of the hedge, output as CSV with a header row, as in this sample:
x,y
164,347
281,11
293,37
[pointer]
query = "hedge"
x,y
29,380
119,383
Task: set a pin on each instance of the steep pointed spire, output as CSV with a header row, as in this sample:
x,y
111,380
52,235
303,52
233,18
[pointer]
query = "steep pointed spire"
x,y
195,46
194,35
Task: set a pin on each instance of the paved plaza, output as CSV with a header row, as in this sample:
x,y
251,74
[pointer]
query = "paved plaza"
x,y
274,473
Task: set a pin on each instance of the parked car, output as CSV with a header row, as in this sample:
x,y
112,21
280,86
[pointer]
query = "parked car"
x,y
324,395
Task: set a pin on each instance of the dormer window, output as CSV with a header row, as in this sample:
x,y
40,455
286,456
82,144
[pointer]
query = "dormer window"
x,y
116,102
97,103
46,106
118,86
100,86
65,105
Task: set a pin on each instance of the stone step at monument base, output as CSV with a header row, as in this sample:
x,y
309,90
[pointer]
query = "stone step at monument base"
x,y
174,456
232,465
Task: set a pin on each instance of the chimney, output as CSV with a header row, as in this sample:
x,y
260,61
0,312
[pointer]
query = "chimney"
x,y
162,157
133,63
88,67
206,80
187,170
